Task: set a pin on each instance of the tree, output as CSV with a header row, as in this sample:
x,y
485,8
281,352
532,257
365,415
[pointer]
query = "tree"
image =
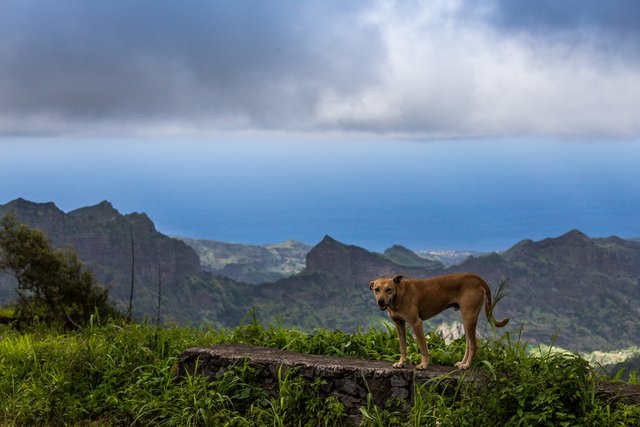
x,y
133,272
52,285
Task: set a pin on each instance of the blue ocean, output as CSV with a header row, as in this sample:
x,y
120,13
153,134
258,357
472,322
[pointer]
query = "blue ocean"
x,y
484,194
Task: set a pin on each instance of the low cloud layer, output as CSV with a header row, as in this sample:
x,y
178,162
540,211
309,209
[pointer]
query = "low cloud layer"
x,y
448,68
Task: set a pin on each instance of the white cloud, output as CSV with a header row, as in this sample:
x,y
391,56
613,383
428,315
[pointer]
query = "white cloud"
x,y
445,75
442,68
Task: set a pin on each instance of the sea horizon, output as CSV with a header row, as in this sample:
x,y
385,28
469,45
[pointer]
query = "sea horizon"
x,y
473,194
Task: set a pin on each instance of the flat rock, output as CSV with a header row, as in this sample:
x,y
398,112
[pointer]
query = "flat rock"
x,y
348,379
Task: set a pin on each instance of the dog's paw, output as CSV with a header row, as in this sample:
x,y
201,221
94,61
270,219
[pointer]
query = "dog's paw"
x,y
422,366
398,365
461,365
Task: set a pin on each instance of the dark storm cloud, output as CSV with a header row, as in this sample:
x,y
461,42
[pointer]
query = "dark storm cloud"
x,y
437,68
610,23
616,15
251,63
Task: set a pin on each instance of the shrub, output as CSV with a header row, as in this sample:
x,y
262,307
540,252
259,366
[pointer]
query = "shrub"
x,y
120,374
52,286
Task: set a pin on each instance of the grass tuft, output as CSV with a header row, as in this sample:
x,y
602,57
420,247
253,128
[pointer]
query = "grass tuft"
x,y
120,374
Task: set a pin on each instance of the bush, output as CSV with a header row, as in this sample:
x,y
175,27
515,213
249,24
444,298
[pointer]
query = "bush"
x,y
52,286
120,374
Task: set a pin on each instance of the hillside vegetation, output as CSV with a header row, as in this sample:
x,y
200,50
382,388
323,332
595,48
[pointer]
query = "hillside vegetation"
x,y
580,289
108,242
250,263
120,374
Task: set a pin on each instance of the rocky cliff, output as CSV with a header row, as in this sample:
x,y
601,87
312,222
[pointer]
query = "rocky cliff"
x,y
407,258
103,239
584,290
331,256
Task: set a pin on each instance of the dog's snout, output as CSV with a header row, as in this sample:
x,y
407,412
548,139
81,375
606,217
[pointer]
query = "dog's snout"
x,y
381,302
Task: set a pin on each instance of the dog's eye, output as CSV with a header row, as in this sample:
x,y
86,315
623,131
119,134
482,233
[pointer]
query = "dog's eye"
x,y
377,289
388,290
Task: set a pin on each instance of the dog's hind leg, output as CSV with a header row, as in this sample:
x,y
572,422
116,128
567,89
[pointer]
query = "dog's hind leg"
x,y
470,321
402,338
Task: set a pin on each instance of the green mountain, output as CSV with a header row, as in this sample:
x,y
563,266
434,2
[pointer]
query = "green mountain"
x,y
583,290
103,239
333,290
250,263
407,258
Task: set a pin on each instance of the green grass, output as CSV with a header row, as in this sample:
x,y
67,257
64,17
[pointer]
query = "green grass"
x,y
120,374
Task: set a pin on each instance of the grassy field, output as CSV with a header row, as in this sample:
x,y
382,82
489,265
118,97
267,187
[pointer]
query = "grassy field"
x,y
120,374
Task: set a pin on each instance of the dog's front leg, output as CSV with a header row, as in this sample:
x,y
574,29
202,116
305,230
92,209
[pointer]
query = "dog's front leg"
x,y
422,342
402,337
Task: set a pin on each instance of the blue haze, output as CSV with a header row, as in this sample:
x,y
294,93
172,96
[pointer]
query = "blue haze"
x,y
453,194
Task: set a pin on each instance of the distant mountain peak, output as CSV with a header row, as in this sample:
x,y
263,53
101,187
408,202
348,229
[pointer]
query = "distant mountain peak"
x,y
103,211
398,248
105,204
573,237
337,258
408,258
141,220
399,251
329,243
334,257
574,234
21,204
328,239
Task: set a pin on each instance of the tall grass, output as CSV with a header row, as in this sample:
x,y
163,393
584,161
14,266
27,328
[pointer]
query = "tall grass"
x,y
120,374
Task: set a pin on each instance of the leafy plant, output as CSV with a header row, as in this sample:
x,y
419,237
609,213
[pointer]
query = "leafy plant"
x,y
52,286
120,374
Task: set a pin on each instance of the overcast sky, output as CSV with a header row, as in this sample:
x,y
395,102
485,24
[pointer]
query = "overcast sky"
x,y
421,69
260,121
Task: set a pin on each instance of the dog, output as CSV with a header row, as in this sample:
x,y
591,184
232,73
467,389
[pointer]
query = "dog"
x,y
414,300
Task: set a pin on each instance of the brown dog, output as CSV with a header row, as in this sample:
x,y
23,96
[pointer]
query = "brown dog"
x,y
415,300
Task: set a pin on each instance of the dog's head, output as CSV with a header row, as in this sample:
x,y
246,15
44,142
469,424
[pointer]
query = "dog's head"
x,y
384,290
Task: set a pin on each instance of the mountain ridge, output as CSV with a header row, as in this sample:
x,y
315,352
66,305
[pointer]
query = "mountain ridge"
x,y
582,287
408,258
102,238
578,286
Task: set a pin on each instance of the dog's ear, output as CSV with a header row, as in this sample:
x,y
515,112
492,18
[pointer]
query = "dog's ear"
x,y
371,285
398,279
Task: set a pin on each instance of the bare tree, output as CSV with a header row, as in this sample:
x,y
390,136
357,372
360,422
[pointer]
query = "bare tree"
x,y
159,296
133,268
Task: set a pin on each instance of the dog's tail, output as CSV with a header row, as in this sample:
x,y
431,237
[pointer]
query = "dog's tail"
x,y
490,305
